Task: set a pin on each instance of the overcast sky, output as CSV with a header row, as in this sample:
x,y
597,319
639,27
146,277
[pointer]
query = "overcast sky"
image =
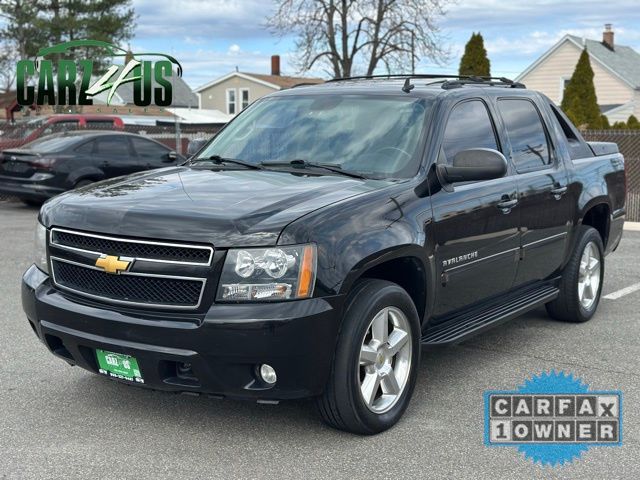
x,y
211,37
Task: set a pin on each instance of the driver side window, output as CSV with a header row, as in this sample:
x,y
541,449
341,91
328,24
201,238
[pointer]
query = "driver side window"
x,y
469,126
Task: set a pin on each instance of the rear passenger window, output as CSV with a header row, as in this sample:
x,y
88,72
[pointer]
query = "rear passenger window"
x,y
85,148
526,133
469,126
115,146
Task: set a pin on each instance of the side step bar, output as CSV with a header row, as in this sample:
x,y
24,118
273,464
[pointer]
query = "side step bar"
x,y
472,323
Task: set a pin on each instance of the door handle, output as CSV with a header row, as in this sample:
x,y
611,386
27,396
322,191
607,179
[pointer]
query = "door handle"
x,y
559,192
507,205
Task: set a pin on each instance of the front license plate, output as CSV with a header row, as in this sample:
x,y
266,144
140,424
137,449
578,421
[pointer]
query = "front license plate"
x,y
117,365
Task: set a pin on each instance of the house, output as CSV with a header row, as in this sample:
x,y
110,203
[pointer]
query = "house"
x,y
616,71
233,92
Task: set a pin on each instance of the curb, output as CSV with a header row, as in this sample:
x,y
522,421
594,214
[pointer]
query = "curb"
x,y
632,226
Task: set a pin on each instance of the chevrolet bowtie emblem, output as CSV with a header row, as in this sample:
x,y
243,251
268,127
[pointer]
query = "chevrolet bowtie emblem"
x,y
112,264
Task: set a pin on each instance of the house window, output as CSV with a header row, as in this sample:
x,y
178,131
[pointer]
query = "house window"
x,y
244,98
564,81
231,101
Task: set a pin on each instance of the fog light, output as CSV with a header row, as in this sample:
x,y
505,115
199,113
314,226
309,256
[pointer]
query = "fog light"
x,y
268,374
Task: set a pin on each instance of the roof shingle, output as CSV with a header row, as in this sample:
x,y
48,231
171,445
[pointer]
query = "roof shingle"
x,y
284,81
622,60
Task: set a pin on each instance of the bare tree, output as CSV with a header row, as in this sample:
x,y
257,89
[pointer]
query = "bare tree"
x,y
348,36
8,60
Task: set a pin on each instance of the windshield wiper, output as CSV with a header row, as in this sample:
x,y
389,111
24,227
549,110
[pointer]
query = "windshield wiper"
x,y
299,163
218,160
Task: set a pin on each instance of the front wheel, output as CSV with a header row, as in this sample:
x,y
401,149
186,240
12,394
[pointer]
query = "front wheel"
x,y
581,283
376,362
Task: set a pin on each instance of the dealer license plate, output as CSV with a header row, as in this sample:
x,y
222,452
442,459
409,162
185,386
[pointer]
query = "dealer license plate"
x,y
117,365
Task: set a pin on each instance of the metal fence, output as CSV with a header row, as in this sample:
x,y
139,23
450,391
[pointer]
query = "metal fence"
x,y
629,143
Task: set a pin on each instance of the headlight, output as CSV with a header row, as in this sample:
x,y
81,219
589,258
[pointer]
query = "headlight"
x,y
40,256
263,274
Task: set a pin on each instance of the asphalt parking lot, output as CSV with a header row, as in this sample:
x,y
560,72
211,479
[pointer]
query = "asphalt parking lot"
x,y
63,422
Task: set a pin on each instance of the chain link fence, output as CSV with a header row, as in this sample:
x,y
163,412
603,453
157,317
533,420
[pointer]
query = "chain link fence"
x,y
629,143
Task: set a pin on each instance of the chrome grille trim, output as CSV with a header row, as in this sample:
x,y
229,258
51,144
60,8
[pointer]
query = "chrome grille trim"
x,y
52,241
203,281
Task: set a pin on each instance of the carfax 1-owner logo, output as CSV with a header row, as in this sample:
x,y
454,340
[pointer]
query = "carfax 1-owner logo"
x,y
553,418
63,80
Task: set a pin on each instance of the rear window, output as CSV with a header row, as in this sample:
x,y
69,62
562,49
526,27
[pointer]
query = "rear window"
x,y
578,148
529,144
52,144
99,123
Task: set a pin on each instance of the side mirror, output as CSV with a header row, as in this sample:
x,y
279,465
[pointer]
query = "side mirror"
x,y
172,156
194,146
474,164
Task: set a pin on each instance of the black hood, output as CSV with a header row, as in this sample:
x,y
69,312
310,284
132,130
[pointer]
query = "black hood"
x,y
223,207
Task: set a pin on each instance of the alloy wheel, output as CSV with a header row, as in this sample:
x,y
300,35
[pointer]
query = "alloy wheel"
x,y
589,276
385,360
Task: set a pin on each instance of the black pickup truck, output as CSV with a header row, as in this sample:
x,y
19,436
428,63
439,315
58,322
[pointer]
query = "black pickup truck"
x,y
326,236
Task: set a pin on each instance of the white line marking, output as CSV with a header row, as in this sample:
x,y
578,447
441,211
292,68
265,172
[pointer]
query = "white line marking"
x,y
621,293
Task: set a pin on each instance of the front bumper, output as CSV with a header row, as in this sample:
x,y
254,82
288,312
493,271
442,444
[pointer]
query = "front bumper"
x,y
223,346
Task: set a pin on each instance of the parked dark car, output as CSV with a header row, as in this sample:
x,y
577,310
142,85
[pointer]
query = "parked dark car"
x,y
324,238
57,163
36,128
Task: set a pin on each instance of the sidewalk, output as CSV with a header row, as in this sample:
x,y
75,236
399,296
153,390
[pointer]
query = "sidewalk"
x,y
632,226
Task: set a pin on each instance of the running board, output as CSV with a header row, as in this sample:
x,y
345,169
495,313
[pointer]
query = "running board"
x,y
472,323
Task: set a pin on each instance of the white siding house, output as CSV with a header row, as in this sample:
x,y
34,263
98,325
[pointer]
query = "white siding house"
x,y
616,71
233,92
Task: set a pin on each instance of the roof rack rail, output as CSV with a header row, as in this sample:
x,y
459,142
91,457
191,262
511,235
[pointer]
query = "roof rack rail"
x,y
449,81
304,84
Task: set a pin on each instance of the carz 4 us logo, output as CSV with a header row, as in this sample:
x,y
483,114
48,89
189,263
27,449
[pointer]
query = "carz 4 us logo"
x,y
553,418
73,79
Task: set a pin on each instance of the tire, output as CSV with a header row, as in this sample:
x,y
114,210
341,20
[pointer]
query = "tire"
x,y
572,305
31,202
83,183
342,405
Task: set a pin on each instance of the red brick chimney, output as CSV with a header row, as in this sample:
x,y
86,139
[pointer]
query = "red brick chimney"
x,y
275,64
607,36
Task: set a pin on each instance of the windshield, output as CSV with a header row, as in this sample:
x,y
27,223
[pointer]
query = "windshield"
x,y
376,137
52,143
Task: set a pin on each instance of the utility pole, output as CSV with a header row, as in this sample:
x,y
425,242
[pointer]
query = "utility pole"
x,y
413,54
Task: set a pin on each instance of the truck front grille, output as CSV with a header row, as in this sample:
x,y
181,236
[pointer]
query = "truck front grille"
x,y
128,288
140,249
160,275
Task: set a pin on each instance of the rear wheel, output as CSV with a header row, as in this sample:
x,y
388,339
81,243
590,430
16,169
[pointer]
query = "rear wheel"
x,y
581,283
375,366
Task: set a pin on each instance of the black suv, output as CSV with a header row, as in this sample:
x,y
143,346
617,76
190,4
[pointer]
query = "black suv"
x,y
326,236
